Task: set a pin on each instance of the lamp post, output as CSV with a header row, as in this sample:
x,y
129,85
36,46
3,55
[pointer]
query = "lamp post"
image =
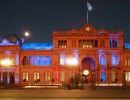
x,y
5,63
123,79
93,80
84,73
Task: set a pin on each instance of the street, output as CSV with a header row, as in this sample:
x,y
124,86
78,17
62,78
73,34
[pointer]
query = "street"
x,y
35,94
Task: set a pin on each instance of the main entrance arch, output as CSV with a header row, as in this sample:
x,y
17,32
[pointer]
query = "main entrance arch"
x,y
88,63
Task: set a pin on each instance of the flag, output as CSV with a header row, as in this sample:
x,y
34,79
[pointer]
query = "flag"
x,y
89,6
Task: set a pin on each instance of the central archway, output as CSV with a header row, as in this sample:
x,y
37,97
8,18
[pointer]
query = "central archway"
x,y
88,63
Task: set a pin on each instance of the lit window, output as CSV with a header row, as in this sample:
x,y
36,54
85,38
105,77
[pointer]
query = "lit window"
x,y
42,61
25,77
127,61
103,61
62,43
127,76
48,61
113,43
47,76
114,60
36,61
103,77
31,60
62,59
36,76
62,76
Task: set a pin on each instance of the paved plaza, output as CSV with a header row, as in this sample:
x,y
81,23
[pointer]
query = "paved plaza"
x,y
41,94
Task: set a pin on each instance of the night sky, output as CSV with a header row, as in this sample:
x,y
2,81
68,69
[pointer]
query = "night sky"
x,y
42,17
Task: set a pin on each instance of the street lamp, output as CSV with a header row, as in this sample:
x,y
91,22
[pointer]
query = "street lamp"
x,y
84,73
93,80
5,63
124,79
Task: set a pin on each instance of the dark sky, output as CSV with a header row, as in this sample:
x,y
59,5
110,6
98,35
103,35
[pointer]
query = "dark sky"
x,y
42,17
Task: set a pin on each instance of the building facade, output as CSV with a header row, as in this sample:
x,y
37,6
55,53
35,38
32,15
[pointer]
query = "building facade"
x,y
101,53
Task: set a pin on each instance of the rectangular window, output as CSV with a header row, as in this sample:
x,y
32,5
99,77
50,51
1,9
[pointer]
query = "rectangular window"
x,y
48,61
127,76
125,61
128,61
62,76
62,59
111,44
114,60
36,76
25,77
47,76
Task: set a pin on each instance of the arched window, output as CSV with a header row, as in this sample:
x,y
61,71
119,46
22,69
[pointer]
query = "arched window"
x,y
96,43
62,76
42,61
31,60
62,59
103,61
88,44
84,43
114,60
36,61
65,43
116,43
25,60
80,43
48,61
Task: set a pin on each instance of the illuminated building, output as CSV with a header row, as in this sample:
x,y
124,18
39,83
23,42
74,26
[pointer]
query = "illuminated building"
x,y
73,51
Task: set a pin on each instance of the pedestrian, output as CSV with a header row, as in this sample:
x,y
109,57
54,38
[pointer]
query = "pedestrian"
x,y
68,85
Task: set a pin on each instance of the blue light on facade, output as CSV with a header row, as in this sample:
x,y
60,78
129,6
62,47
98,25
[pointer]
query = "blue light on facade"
x,y
127,46
37,46
114,60
103,77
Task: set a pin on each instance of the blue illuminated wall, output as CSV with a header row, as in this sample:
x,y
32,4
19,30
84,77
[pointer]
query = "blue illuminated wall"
x,y
114,60
103,77
37,46
127,46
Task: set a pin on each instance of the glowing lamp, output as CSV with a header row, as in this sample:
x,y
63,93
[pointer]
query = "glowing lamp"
x,y
86,72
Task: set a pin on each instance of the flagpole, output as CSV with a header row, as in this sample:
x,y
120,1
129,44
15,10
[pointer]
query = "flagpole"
x,y
87,13
87,16
89,8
